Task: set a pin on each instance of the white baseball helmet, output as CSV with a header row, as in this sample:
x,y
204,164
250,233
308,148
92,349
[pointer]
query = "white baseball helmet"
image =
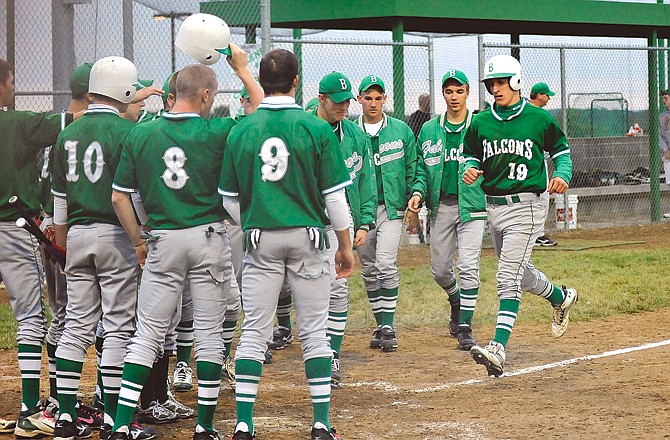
x,y
504,66
204,37
114,77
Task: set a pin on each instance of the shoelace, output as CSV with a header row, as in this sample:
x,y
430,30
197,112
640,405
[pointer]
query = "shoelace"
x,y
181,375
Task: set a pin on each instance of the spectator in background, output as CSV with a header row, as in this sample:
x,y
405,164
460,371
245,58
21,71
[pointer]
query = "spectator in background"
x,y
664,137
540,94
419,117
635,130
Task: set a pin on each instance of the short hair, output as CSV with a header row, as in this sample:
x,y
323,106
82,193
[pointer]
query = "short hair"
x,y
194,78
424,98
172,84
533,95
278,69
5,70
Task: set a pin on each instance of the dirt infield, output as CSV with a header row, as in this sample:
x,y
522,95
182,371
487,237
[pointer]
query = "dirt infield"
x,y
603,379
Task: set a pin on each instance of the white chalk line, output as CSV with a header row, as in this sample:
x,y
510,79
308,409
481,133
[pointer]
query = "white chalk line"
x,y
549,366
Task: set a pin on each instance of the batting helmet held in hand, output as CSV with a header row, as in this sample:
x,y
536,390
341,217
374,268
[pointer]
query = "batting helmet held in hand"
x,y
114,77
504,66
204,37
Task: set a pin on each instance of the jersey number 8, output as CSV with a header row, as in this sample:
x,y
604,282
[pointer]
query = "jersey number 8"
x,y
174,176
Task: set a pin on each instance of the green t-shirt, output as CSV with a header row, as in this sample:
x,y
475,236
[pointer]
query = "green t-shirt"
x,y
509,144
174,162
281,162
24,134
86,155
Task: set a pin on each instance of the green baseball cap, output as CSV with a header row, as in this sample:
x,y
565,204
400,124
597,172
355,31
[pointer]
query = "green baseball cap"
x,y
369,81
312,104
145,83
166,88
336,86
457,75
542,88
79,78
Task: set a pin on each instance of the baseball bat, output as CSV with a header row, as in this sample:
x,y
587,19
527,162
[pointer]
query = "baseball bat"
x,y
27,222
57,251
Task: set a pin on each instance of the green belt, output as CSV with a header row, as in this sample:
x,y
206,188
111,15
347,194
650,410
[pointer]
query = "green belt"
x,y
502,200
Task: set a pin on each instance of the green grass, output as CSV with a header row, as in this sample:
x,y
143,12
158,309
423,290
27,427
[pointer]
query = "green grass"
x,y
609,281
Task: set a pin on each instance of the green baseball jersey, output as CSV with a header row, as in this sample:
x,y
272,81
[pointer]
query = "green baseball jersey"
x,y
509,144
44,167
395,157
281,162
174,162
440,169
85,159
24,134
356,149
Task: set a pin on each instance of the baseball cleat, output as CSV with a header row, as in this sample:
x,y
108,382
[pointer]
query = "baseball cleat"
x,y
34,423
137,432
202,434
89,416
335,375
156,414
376,340
182,377
321,433
560,320
241,435
66,430
228,372
281,337
545,241
7,426
389,342
492,357
183,411
464,336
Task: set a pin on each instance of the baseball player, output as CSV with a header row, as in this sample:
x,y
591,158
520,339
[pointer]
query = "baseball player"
x,y
457,210
395,158
334,99
157,404
55,280
506,144
102,263
173,162
540,94
282,170
24,134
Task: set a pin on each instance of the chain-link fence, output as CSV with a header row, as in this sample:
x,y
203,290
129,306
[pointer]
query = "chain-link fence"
x,y
602,103
602,93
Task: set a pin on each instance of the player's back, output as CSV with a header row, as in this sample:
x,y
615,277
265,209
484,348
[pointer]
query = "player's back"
x,y
85,160
284,159
178,162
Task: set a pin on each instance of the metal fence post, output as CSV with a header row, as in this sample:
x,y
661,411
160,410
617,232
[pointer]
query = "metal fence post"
x,y
266,26
62,50
128,32
297,50
654,153
431,72
398,72
480,69
11,42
